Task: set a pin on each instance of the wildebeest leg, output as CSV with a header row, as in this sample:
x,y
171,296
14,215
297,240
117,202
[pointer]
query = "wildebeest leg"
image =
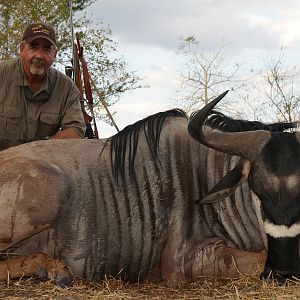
x,y
36,265
219,260
31,193
210,258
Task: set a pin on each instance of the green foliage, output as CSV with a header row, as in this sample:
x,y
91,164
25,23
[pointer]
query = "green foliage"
x,y
79,5
108,70
106,67
16,15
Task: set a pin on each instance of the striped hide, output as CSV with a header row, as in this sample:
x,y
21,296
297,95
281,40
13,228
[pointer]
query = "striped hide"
x,y
126,206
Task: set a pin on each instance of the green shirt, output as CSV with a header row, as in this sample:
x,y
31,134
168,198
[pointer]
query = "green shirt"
x,y
26,117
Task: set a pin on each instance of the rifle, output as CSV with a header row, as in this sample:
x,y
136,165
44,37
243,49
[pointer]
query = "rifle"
x,y
78,82
75,73
78,58
87,85
88,90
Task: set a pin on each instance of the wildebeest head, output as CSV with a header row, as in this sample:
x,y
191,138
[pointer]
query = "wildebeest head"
x,y
270,161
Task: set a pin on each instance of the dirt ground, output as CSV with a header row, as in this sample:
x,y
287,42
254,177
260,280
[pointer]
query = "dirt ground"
x,y
248,287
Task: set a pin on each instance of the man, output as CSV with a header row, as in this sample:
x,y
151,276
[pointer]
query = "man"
x,y
37,101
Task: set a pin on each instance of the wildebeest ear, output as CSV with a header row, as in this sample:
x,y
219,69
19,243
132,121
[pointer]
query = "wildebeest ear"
x,y
227,185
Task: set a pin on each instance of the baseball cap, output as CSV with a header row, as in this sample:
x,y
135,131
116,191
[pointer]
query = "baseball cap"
x,y
39,31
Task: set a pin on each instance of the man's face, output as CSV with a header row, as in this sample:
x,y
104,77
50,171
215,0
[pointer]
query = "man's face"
x,y
37,57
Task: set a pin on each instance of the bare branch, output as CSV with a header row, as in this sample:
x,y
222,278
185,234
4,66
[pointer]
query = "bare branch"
x,y
204,73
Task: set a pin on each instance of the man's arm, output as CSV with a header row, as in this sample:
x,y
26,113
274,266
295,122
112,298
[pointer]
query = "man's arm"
x,y
72,123
68,133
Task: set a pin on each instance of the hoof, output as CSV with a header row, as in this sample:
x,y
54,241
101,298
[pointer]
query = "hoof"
x,y
279,276
42,273
60,280
63,281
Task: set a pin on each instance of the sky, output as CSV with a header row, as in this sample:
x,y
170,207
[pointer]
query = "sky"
x,y
148,35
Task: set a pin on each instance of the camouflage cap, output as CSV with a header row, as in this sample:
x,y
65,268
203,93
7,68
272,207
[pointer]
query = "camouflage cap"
x,y
39,31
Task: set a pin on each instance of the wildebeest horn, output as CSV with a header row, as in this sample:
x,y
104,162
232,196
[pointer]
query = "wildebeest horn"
x,y
245,144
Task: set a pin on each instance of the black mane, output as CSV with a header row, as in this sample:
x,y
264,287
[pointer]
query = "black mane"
x,y
218,120
125,142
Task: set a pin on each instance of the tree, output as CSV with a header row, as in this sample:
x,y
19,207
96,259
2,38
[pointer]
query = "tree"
x,y
281,88
205,73
16,15
108,69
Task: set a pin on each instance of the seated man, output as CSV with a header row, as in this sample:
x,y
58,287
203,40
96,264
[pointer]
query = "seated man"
x,y
37,101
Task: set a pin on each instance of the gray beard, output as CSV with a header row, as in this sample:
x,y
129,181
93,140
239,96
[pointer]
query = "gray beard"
x,y
37,70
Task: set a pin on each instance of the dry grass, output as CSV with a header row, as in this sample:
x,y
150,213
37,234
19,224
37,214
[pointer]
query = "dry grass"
x,y
248,287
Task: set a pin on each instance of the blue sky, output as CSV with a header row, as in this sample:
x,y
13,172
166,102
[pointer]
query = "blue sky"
x,y
148,33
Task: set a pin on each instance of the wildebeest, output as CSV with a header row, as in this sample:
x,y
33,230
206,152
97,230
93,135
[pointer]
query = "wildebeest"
x,y
271,165
127,205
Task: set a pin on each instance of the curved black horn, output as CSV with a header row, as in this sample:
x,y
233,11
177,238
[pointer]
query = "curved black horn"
x,y
197,121
245,144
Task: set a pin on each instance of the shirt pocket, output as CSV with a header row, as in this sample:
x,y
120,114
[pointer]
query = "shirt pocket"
x,y
49,124
49,118
10,122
